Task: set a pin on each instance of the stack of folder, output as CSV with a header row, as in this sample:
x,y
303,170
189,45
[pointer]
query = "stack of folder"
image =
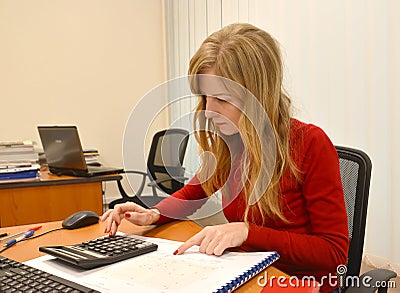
x,y
18,160
91,157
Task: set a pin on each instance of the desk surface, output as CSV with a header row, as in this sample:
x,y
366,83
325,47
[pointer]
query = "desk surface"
x,y
178,231
46,179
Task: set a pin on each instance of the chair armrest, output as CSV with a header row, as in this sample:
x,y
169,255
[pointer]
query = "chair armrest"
x,y
134,172
155,182
141,187
369,281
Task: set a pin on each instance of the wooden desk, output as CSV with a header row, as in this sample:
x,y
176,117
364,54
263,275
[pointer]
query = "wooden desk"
x,y
51,198
178,231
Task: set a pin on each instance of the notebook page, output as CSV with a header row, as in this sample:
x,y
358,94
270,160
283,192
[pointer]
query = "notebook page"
x,y
160,271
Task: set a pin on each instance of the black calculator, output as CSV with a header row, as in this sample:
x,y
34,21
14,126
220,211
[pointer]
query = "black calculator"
x,y
101,251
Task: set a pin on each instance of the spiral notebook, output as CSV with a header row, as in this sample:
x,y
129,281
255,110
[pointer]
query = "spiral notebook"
x,y
161,271
250,273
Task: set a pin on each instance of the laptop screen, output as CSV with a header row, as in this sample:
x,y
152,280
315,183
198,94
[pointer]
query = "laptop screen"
x,y
62,147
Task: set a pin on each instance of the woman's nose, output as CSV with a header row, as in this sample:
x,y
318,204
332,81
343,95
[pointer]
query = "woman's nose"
x,y
211,109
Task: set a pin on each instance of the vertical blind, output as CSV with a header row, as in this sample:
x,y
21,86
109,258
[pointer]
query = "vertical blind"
x,y
342,68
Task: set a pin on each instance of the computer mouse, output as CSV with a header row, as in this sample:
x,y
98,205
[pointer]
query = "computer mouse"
x,y
80,219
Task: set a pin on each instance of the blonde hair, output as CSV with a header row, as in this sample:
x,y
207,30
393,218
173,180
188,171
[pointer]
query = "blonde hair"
x,y
250,57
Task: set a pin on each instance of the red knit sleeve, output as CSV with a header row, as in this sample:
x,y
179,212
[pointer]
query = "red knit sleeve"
x,y
325,245
182,203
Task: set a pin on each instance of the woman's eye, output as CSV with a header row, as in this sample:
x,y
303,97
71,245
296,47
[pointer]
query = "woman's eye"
x,y
217,99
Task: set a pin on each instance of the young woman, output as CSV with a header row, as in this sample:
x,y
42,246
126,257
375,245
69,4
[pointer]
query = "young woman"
x,y
279,177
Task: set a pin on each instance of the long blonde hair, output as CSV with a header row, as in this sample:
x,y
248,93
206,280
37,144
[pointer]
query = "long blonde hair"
x,y
250,57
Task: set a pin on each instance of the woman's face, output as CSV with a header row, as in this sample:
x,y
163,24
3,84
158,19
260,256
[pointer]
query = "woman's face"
x,y
221,107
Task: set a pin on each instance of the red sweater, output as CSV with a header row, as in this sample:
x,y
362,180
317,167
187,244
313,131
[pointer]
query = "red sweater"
x,y
315,241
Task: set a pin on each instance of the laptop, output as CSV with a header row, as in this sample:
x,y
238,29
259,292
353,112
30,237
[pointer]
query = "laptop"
x,y
64,154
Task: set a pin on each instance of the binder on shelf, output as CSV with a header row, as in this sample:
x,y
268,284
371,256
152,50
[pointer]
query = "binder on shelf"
x,y
19,175
16,172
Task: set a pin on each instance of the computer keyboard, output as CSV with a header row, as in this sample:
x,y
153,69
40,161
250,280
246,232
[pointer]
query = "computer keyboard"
x,y
101,251
18,277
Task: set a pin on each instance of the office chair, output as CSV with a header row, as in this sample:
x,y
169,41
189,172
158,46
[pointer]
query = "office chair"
x,y
164,169
355,171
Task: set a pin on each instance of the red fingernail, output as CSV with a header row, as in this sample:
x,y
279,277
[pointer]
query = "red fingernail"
x,y
110,233
128,215
105,230
176,252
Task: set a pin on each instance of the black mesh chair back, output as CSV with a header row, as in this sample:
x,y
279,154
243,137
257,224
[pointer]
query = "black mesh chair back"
x,y
165,172
165,159
355,171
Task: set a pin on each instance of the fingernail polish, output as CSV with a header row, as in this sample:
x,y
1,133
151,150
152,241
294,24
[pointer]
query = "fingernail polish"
x,y
110,233
128,215
176,252
105,230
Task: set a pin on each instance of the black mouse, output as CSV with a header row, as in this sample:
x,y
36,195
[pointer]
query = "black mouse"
x,y
80,219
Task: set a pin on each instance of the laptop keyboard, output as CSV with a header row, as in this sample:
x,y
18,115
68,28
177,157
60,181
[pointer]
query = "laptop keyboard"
x,y
18,277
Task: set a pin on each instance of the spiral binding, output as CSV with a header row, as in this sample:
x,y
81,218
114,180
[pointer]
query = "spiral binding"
x,y
247,275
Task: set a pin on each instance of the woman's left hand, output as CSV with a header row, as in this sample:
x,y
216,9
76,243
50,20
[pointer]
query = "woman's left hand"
x,y
215,239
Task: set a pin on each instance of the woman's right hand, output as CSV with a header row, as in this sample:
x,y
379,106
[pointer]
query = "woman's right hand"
x,y
130,211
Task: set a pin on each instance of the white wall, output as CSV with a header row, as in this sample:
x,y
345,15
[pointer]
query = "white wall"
x,y
80,62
